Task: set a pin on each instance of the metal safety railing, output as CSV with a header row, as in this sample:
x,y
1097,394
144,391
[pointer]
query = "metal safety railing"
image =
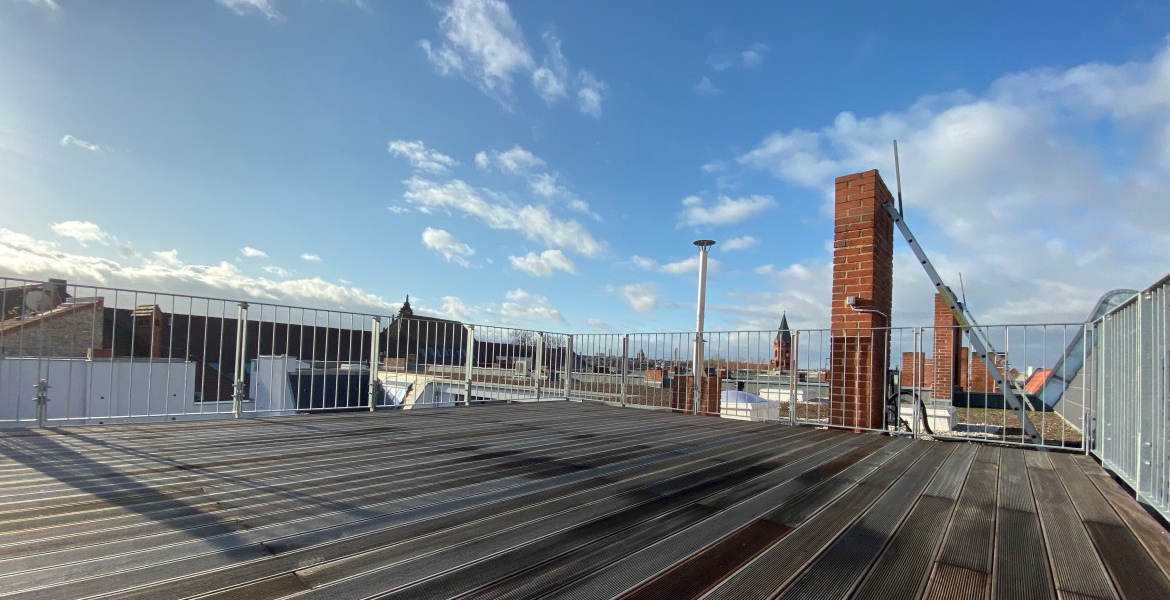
x,y
1131,412
108,354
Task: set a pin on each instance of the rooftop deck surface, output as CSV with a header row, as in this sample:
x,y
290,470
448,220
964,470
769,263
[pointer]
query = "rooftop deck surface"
x,y
556,500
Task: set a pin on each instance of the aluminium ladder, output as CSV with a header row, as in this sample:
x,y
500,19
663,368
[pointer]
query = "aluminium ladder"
x,y
1012,394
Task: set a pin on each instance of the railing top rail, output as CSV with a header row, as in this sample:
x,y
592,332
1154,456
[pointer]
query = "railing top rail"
x,y
1163,282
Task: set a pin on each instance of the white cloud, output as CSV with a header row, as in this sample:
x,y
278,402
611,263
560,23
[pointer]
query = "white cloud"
x,y
1012,187
522,306
740,243
445,244
168,257
240,7
678,267
726,209
310,257
31,258
591,91
706,88
516,161
715,166
251,252
550,79
534,222
482,42
543,264
421,157
81,231
69,140
601,325
642,297
278,271
747,58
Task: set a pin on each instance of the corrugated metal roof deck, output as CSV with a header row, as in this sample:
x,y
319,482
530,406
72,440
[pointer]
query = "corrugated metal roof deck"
x,y
556,500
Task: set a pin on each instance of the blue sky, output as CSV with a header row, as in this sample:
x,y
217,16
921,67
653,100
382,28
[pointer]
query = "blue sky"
x,y
547,164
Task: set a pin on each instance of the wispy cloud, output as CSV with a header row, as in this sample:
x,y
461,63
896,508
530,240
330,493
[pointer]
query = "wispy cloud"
x,y
447,246
642,297
49,4
241,7
251,252
752,56
420,157
70,140
591,91
33,258
519,307
81,231
740,243
278,271
706,88
678,267
498,212
516,161
482,42
724,211
543,264
310,257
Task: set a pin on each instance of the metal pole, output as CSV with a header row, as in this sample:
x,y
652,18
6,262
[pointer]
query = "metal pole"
x,y
625,365
538,363
241,359
42,399
376,325
470,362
704,246
569,367
793,378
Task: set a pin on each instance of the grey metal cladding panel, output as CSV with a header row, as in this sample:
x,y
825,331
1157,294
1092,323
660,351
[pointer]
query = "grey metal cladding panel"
x,y
950,478
1021,564
842,565
622,576
1133,571
969,539
1015,491
949,582
904,565
1074,560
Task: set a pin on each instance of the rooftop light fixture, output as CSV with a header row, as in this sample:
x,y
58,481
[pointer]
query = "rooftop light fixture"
x,y
704,246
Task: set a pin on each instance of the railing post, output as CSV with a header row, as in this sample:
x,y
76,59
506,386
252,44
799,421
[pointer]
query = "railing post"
x,y
918,351
569,367
375,358
538,363
470,363
793,377
42,400
625,364
241,359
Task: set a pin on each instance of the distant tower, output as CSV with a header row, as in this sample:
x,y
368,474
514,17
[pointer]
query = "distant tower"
x,y
782,347
406,311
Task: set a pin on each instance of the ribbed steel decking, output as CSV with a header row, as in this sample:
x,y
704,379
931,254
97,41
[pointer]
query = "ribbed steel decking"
x,y
556,500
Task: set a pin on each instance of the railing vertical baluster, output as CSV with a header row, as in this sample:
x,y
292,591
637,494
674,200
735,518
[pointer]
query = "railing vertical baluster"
x,y
569,362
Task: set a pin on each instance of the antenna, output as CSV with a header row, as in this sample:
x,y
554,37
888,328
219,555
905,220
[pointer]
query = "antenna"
x,y
898,175
962,290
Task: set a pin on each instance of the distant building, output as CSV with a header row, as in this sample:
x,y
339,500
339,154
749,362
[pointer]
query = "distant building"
x,y
782,347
